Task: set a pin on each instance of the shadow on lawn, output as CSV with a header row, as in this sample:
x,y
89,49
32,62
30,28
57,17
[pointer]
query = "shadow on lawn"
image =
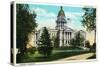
x,y
58,53
53,57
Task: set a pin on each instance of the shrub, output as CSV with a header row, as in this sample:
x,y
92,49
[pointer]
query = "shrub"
x,y
93,47
31,50
87,44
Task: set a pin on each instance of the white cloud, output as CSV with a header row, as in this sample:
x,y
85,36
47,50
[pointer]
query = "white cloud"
x,y
75,20
47,23
44,13
45,18
73,15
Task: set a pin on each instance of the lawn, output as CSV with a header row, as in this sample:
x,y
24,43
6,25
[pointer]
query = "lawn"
x,y
57,53
68,48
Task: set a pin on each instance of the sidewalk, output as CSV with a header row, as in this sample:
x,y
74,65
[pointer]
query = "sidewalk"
x,y
78,57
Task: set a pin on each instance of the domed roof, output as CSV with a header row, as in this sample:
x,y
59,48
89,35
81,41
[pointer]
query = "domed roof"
x,y
61,12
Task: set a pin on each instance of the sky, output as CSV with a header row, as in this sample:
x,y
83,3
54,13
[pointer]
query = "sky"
x,y
47,15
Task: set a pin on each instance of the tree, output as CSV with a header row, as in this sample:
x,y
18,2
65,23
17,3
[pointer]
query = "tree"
x,y
72,42
44,43
25,24
77,40
93,47
89,19
87,44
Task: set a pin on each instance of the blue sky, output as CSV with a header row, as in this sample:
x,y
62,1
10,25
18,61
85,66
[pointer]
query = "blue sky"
x,y
47,15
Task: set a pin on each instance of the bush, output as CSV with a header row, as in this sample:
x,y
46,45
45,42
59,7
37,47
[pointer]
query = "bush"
x,y
87,44
93,48
31,50
45,50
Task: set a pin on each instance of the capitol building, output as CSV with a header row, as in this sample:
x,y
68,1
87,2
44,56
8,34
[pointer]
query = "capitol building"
x,y
64,32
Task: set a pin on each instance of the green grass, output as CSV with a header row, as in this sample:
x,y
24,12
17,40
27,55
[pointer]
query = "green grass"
x,y
36,57
68,48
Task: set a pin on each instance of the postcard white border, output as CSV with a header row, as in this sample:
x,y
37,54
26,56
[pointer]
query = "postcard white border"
x,y
45,3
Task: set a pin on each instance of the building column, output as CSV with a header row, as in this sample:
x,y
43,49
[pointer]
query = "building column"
x,y
70,35
60,38
64,39
67,38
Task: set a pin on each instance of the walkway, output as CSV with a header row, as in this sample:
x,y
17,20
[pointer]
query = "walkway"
x,y
78,57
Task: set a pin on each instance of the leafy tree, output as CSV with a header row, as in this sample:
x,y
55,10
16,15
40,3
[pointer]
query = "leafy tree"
x,y
89,19
87,44
44,43
72,42
25,24
93,47
77,40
